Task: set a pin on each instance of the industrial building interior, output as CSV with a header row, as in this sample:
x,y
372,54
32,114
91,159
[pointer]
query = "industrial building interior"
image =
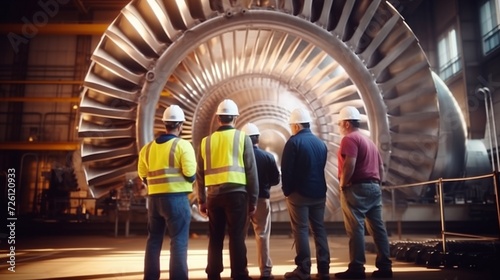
x,y
83,84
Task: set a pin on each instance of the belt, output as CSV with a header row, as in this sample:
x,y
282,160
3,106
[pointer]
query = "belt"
x,y
365,182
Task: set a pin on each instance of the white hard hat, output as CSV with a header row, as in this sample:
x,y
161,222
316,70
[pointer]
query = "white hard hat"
x,y
173,113
349,113
300,115
227,107
251,129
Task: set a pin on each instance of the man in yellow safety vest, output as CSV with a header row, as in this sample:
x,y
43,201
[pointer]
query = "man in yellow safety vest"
x,y
228,187
168,166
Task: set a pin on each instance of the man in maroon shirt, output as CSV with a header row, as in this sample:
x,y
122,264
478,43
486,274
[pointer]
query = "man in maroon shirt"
x,y
360,173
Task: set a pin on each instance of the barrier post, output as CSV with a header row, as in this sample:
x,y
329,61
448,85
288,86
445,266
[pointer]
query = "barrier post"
x,y
117,220
497,200
441,210
394,218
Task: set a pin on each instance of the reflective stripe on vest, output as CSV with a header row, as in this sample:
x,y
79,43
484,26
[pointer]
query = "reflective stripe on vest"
x,y
164,172
233,173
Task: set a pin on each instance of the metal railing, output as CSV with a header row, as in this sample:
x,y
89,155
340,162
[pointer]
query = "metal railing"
x,y
440,194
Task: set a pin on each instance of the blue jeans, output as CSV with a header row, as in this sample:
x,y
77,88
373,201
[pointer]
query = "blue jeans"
x,y
360,203
172,211
305,212
229,209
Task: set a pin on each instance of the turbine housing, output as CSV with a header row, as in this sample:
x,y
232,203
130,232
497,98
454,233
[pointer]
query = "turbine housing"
x,y
269,57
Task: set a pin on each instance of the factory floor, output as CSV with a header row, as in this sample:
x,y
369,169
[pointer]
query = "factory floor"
x,y
104,257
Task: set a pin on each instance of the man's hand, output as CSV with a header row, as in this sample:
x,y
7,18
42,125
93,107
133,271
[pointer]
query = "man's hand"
x,y
202,208
251,210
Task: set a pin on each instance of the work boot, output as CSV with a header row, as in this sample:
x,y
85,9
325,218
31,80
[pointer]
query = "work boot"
x,y
349,274
297,274
382,274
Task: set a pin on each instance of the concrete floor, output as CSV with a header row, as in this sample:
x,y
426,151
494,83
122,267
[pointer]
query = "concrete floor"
x,y
108,257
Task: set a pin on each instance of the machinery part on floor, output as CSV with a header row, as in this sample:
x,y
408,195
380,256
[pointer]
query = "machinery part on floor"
x,y
269,57
465,254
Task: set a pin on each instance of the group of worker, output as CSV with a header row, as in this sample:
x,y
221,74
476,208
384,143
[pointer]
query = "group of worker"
x,y
233,177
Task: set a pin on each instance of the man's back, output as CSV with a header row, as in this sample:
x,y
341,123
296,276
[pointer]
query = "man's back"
x,y
267,170
368,160
303,165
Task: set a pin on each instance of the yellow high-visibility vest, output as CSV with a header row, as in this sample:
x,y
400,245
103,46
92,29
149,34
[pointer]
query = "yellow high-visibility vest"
x,y
222,153
164,174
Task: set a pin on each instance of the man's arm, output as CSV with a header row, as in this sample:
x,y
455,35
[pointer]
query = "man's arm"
x,y
287,164
188,161
347,171
274,173
200,183
200,179
142,167
251,172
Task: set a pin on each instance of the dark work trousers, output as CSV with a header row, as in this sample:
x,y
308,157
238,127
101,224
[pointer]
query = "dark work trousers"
x,y
229,209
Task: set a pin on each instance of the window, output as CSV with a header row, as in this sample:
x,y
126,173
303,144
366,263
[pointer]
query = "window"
x,y
448,56
490,29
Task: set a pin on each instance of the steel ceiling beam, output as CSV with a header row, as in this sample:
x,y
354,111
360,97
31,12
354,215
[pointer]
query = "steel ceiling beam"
x,y
41,99
39,146
41,82
56,29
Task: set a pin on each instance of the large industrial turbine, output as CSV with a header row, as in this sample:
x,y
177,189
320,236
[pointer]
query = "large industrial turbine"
x,y
269,57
